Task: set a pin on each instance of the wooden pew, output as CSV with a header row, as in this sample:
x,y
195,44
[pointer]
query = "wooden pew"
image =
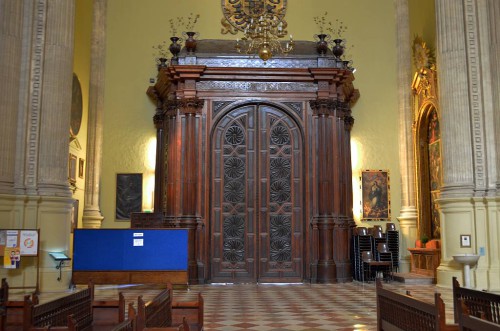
x,y
397,311
109,312
11,311
156,315
75,311
129,323
191,311
478,303
468,322
63,313
4,297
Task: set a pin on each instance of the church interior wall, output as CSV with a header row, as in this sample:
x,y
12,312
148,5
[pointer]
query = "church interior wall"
x,y
133,28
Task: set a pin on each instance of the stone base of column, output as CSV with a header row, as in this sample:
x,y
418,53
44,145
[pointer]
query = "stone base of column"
x,y
408,236
92,219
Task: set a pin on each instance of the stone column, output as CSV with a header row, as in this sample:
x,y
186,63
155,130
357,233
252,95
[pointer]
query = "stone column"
x,y
92,216
466,63
493,9
53,116
11,37
159,121
452,61
36,45
408,213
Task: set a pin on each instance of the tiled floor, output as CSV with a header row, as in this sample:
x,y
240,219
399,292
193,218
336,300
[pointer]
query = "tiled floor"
x,y
348,306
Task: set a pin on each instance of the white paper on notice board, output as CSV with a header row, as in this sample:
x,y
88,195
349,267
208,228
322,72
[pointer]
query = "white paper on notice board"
x,y
139,242
29,242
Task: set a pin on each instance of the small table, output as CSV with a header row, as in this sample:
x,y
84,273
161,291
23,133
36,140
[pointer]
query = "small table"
x,y
424,261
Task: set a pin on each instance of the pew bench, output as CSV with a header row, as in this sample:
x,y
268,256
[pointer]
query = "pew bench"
x,y
468,322
57,313
73,312
156,315
129,323
11,311
4,297
191,311
397,311
479,304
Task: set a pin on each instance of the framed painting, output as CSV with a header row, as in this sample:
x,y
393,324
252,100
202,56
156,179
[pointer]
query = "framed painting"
x,y
72,168
81,166
375,194
128,195
74,215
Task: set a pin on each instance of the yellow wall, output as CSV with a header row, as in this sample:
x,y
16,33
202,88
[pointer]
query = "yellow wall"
x,y
422,21
133,27
81,66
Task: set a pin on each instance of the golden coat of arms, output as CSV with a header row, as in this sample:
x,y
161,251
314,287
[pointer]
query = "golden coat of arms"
x,y
239,13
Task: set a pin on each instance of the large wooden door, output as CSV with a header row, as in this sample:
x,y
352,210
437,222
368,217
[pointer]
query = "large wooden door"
x,y
257,221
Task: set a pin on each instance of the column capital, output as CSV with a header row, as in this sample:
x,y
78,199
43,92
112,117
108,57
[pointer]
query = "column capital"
x,y
191,106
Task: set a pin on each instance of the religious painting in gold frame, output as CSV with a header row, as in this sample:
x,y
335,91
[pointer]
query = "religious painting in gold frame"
x,y
375,193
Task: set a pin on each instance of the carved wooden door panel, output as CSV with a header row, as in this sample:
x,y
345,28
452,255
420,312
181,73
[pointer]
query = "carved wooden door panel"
x,y
257,197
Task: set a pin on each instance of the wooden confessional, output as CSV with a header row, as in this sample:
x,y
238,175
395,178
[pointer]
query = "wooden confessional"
x,y
254,159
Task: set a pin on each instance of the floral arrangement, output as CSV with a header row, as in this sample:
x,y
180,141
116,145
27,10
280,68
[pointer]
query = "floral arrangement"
x,y
160,50
336,30
188,23
191,21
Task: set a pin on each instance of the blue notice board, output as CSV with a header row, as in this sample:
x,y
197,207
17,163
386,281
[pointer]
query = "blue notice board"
x,y
130,249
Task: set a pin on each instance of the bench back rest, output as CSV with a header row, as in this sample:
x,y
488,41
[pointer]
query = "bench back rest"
x,y
156,313
200,310
478,303
129,323
55,313
467,322
4,292
403,312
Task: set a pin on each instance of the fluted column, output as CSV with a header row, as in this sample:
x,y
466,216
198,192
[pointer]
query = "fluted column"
x,y
11,35
493,8
453,62
468,66
43,169
159,121
92,216
408,213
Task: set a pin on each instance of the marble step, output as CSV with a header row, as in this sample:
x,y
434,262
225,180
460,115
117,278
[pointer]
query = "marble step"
x,y
412,278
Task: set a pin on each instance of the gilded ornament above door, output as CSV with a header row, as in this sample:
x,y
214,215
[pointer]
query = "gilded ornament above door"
x,y
238,13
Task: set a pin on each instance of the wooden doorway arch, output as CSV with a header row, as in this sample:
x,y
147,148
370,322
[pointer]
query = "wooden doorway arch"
x,y
257,196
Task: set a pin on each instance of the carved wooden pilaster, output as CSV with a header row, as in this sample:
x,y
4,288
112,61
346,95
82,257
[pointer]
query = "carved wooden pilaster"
x,y
169,160
333,218
323,217
189,165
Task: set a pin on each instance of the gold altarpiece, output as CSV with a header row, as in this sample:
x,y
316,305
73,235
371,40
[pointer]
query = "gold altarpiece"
x,y
427,141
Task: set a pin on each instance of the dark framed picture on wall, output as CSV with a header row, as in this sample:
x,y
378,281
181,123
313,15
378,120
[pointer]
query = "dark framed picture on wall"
x,y
128,195
375,192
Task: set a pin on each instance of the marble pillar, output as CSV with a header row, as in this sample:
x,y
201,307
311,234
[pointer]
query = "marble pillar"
x,y
92,216
468,67
408,214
